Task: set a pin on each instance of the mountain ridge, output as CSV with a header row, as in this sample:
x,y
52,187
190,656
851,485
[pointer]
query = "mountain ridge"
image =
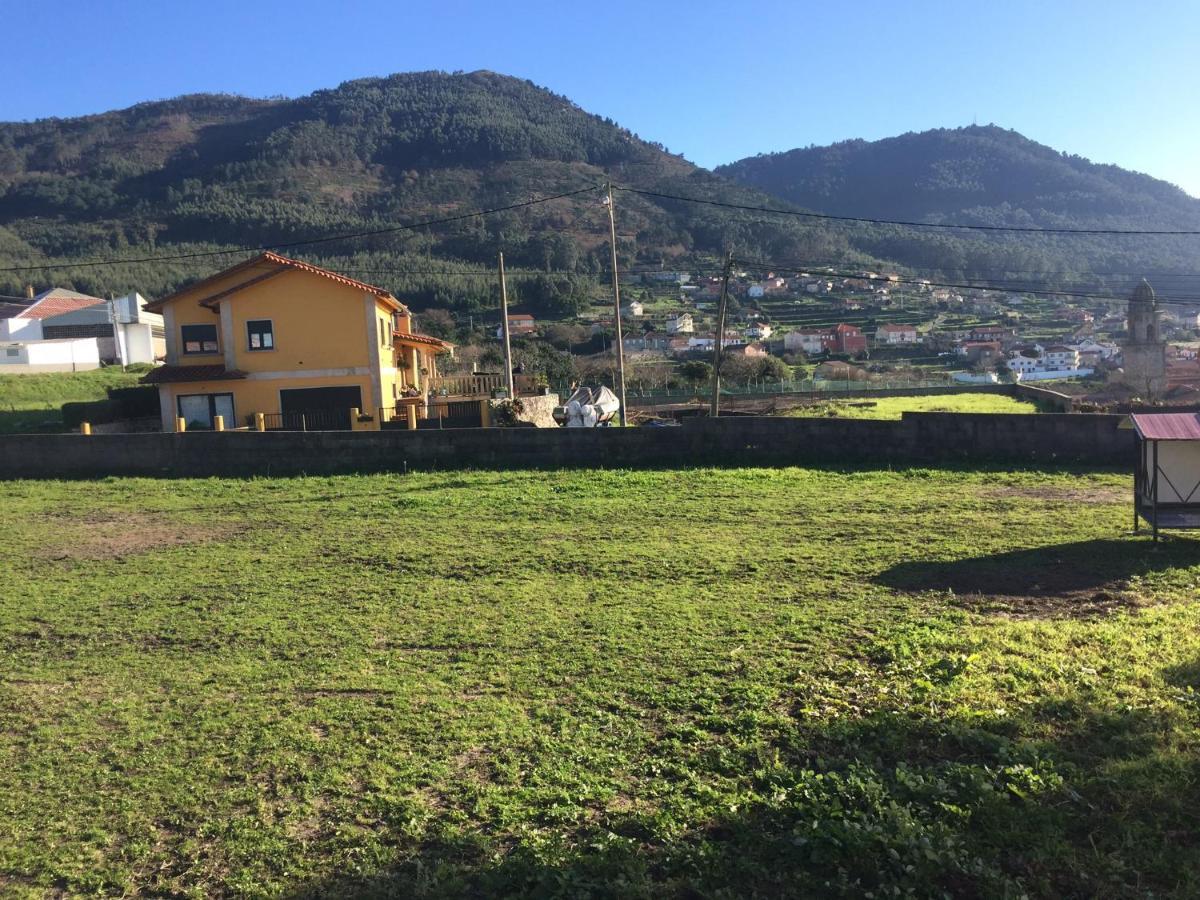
x,y
207,171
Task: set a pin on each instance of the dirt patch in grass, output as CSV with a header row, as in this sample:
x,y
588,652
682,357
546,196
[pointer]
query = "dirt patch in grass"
x,y
98,535
1060,494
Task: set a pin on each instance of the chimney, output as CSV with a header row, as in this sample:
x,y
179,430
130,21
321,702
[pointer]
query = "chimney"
x,y
29,291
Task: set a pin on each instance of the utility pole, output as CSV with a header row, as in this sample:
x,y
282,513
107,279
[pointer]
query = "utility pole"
x,y
508,372
715,407
620,346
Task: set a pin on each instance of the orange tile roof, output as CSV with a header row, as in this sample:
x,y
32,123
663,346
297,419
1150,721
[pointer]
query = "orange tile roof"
x,y
57,301
422,339
276,259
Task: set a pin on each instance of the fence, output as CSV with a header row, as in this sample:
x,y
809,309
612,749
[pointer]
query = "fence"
x,y
802,387
306,420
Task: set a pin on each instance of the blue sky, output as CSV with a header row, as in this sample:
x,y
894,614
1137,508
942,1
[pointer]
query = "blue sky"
x,y
1115,82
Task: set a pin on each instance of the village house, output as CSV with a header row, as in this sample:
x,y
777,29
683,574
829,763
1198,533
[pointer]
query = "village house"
x,y
634,310
650,340
892,333
1059,356
279,337
759,331
979,353
810,341
849,340
681,323
22,320
990,333
756,291
706,341
753,351
519,325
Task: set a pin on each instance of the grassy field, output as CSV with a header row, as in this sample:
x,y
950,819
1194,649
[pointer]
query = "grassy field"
x,y
893,407
708,683
33,402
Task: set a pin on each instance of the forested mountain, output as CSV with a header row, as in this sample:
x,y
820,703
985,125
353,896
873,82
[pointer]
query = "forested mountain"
x,y
984,175
198,172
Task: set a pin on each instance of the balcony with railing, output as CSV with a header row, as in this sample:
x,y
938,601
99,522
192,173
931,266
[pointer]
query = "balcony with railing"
x,y
478,384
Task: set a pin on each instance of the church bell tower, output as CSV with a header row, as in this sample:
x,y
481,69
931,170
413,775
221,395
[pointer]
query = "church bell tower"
x,y
1145,352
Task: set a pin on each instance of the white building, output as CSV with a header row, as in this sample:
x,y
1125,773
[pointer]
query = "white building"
x,y
807,341
125,332
60,355
634,310
681,324
1101,349
759,331
896,334
1059,357
1057,361
755,291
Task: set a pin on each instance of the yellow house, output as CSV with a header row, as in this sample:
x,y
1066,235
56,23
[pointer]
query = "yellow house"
x,y
300,344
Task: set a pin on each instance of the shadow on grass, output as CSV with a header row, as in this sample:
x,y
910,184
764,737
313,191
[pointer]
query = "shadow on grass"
x,y
1080,578
1073,800
31,421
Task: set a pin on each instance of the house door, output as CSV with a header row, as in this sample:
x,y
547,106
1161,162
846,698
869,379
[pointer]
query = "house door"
x,y
198,410
319,409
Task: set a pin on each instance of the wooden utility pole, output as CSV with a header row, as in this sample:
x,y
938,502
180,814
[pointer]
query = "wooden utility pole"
x,y
715,406
620,346
508,372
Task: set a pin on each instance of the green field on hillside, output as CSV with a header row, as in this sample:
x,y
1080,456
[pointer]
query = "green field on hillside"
x,y
691,683
33,402
895,407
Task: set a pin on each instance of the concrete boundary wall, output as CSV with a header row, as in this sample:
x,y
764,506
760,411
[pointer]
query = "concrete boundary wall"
x,y
917,438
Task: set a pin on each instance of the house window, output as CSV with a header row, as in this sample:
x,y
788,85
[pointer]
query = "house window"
x,y
260,334
199,338
198,410
11,351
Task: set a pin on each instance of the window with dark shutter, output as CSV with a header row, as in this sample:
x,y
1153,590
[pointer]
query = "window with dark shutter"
x,y
260,334
199,338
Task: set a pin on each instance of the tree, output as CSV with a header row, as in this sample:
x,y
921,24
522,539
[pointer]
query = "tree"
x,y
438,323
772,368
696,372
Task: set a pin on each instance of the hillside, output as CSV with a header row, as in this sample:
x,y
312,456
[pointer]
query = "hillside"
x,y
203,172
983,175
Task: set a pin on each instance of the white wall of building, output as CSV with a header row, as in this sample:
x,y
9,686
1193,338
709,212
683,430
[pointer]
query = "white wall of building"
x,y
66,355
15,329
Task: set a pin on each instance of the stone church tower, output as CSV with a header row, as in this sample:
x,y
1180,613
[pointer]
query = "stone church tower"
x,y
1145,352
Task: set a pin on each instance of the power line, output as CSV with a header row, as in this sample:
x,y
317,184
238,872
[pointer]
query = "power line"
x,y
870,221
305,243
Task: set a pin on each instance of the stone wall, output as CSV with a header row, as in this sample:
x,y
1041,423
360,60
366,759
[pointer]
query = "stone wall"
x,y
917,438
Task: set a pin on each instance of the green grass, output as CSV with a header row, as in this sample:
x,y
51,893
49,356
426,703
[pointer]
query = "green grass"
x,y
33,402
894,407
708,683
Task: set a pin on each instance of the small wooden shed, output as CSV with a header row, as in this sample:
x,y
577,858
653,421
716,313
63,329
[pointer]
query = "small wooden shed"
x,y
1166,486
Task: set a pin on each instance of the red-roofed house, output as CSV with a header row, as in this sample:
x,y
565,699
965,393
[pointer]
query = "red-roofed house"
x,y
300,344
25,323
849,340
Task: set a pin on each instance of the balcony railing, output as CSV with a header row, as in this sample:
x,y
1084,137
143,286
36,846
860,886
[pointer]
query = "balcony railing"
x,y
477,384
469,385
